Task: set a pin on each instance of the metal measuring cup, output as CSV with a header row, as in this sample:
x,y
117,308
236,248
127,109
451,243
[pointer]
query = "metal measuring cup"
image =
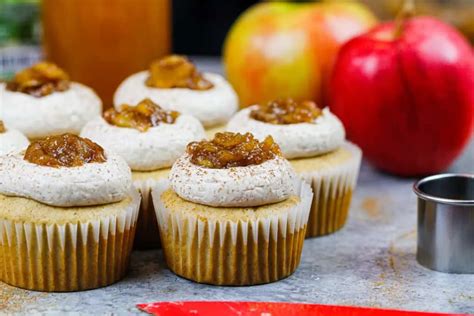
x,y
446,222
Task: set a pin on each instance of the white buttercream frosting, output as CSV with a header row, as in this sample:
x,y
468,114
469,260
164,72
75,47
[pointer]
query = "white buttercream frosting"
x,y
212,107
295,140
12,141
89,184
156,148
253,185
57,113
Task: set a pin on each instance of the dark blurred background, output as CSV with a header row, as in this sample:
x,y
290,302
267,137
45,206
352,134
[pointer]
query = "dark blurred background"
x,y
199,27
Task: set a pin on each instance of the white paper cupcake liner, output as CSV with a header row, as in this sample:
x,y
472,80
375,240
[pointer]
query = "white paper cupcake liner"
x,y
332,188
147,234
233,252
68,257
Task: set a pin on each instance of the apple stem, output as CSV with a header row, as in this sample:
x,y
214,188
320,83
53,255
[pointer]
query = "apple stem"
x,y
407,11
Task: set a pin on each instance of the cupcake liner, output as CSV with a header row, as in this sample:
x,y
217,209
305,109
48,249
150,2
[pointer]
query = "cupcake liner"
x,y
67,257
233,251
332,188
147,235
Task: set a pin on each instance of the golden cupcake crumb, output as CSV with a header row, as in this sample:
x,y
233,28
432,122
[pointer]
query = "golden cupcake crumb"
x,y
13,300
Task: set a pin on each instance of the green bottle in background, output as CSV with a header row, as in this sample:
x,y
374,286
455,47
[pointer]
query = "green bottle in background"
x,y
19,35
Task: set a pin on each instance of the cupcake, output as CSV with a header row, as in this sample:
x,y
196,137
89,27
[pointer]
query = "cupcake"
x,y
150,140
314,140
67,215
174,83
11,140
233,212
40,101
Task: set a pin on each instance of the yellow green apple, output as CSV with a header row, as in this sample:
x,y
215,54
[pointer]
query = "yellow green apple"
x,y
281,49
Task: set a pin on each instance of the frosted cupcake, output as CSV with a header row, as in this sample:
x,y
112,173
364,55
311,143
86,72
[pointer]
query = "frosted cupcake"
x,y
150,139
67,216
314,140
41,101
233,213
11,140
174,83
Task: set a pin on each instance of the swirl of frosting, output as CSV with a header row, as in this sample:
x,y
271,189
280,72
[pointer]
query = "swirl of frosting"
x,y
212,106
295,140
156,148
56,113
253,185
11,140
91,183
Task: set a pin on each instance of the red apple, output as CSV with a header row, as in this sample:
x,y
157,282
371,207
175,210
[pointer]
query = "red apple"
x,y
406,95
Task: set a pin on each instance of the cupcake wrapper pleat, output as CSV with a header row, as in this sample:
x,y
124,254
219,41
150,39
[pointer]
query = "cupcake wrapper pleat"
x,y
68,257
233,252
332,188
147,234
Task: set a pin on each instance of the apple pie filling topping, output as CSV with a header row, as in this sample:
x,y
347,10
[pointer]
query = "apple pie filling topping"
x,y
39,80
65,150
286,111
2,127
176,71
144,115
228,150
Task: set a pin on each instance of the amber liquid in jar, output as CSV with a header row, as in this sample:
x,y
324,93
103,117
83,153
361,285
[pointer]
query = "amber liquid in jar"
x,y
101,42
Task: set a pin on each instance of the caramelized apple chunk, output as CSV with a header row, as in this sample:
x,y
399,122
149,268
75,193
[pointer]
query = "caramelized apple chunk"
x,y
39,80
286,111
176,71
144,115
2,127
228,150
65,150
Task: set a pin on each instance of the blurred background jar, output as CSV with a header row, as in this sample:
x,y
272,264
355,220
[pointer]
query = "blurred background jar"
x,y
101,42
